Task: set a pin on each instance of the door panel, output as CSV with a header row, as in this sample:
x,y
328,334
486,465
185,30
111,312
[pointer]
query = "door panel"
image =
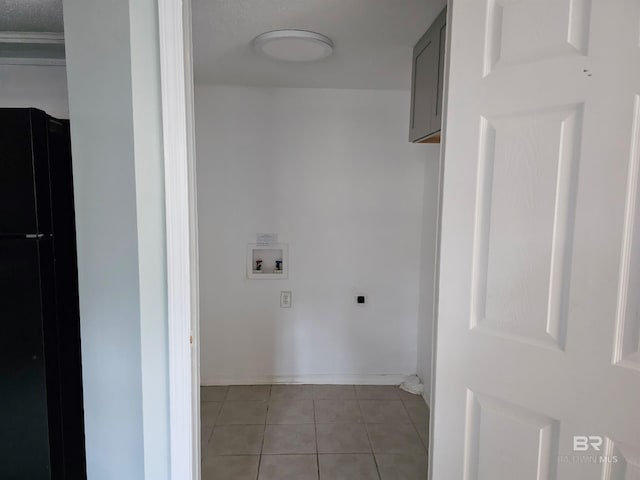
x,y
505,438
538,329
436,119
520,32
424,86
525,204
627,344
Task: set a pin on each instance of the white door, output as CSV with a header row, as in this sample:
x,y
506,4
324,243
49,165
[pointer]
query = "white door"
x,y
539,307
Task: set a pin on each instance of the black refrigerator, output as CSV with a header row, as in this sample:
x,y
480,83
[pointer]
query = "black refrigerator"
x,y
41,413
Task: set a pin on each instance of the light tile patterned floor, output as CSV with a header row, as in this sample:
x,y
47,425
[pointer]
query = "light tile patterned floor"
x,y
315,432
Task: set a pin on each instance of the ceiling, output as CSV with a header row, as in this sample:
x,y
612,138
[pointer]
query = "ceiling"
x,y
373,41
31,15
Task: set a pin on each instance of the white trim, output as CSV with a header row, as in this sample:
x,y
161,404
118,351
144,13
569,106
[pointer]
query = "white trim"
x,y
436,296
43,62
32,38
390,379
195,262
175,66
39,38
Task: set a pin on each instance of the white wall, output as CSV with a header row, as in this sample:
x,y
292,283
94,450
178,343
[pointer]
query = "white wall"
x,y
116,135
428,265
332,172
43,87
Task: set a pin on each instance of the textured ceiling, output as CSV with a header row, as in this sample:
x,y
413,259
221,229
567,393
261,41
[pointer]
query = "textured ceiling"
x,y
373,41
31,15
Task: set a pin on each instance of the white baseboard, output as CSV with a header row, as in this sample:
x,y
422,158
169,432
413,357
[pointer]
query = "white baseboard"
x,y
390,379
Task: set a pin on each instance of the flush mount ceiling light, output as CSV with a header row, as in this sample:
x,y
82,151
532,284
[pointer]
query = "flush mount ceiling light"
x,y
294,45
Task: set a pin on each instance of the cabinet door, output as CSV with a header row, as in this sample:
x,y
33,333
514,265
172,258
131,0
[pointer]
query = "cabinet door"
x,y
427,81
439,28
423,86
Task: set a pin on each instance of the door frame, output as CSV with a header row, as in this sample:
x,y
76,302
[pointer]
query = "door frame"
x,y
443,148
176,73
178,121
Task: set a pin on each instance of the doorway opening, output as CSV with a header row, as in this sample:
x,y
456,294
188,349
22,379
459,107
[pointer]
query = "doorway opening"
x,y
316,231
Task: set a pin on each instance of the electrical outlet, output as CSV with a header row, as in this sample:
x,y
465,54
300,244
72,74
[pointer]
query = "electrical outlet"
x,y
285,299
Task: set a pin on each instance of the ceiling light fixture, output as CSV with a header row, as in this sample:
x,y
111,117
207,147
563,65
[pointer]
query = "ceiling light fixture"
x,y
294,45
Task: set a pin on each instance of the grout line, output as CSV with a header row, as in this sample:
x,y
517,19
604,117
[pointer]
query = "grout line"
x,y
264,431
215,421
419,437
315,429
226,393
404,407
415,426
366,429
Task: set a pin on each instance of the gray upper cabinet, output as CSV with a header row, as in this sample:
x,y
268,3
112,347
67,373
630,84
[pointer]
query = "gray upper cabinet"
x,y
427,83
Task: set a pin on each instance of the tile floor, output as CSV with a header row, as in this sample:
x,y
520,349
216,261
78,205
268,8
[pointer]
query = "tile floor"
x,y
319,432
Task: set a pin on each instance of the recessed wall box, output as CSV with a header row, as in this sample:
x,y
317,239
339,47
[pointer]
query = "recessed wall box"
x,y
268,262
